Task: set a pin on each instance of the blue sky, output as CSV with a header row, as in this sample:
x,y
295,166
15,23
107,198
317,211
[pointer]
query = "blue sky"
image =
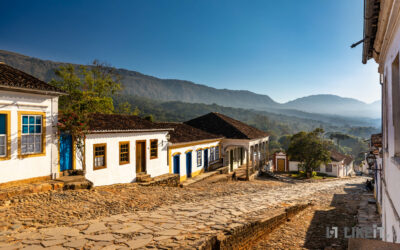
x,y
285,49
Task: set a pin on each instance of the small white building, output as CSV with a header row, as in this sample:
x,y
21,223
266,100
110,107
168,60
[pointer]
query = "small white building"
x,y
191,151
242,144
281,163
28,132
381,42
341,165
118,148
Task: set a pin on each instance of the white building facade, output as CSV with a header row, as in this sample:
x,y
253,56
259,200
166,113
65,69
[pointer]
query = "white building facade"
x,y
121,148
28,127
382,43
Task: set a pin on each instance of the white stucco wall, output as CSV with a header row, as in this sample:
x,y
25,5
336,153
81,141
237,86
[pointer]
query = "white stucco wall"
x,y
294,166
115,173
391,165
38,166
182,158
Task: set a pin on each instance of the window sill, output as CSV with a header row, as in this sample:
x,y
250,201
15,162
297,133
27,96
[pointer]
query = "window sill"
x,y
99,168
5,158
123,163
153,158
31,155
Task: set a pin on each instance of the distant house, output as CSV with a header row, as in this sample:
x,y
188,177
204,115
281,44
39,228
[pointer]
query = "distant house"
x,y
119,148
242,143
280,162
28,132
190,150
341,165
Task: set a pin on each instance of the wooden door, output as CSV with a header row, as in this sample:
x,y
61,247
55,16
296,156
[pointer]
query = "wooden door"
x,y
281,165
189,165
140,156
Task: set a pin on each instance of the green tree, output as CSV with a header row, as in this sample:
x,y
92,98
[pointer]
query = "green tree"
x,y
89,90
285,141
310,149
339,137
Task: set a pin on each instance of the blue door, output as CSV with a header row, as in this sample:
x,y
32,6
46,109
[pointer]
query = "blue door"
x,y
65,152
176,164
205,159
189,164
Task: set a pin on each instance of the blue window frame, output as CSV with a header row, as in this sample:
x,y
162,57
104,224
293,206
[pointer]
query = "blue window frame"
x,y
31,137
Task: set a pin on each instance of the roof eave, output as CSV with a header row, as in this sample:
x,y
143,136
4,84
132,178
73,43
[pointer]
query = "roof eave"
x,y
370,17
32,91
128,130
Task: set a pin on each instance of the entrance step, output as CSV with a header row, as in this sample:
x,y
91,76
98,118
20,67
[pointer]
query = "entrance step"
x,y
75,182
143,177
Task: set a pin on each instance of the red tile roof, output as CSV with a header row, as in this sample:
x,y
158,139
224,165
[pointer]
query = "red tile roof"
x,y
12,78
117,122
225,126
338,157
186,133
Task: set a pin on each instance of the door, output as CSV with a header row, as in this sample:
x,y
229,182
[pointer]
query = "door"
x,y
281,165
66,152
189,164
177,164
206,158
140,156
231,159
241,156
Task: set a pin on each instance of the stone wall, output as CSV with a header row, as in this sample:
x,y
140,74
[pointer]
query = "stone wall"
x,y
240,236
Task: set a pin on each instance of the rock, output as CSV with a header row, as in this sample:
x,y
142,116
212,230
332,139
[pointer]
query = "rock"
x,y
96,227
101,237
170,232
50,243
77,244
137,243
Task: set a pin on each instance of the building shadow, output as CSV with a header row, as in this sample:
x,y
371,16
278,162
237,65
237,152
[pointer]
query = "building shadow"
x,y
341,213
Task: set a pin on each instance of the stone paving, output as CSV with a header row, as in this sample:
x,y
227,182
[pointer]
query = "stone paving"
x,y
181,225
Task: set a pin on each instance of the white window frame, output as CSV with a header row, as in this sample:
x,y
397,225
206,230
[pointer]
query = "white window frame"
x,y
199,157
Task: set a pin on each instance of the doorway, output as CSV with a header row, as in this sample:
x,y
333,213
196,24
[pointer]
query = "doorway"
x,y
281,165
231,159
140,156
177,164
66,152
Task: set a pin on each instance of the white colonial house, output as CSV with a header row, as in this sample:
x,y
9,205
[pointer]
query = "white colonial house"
x,y
191,151
241,144
382,43
120,148
28,132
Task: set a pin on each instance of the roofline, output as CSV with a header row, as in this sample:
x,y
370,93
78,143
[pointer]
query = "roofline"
x,y
190,143
34,91
127,130
369,34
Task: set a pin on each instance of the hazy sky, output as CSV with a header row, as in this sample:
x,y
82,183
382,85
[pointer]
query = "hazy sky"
x,y
285,49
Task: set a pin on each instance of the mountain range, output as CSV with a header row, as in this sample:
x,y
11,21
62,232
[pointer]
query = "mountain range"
x,y
138,84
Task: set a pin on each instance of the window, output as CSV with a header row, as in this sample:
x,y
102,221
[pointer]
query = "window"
x,y
199,158
153,149
31,134
212,154
3,135
99,156
123,153
328,168
216,153
395,105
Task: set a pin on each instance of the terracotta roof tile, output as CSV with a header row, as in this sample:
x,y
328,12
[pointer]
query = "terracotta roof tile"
x,y
117,122
225,126
14,78
186,133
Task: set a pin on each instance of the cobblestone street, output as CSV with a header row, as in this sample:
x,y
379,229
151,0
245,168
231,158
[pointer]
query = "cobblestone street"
x,y
131,216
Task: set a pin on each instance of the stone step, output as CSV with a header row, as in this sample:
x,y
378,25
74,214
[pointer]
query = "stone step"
x,y
75,182
142,177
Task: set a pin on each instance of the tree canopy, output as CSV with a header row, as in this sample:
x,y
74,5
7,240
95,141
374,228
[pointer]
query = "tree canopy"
x,y
310,149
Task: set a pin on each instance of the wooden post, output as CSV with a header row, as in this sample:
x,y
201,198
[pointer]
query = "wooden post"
x,y
247,164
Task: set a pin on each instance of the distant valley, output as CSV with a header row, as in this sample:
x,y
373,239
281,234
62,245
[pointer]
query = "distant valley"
x,y
325,108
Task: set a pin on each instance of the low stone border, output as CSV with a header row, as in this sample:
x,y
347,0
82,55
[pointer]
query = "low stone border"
x,y
238,236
